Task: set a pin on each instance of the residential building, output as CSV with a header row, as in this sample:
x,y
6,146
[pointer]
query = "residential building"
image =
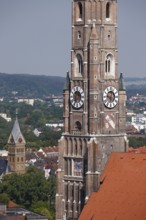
x,y
4,116
17,213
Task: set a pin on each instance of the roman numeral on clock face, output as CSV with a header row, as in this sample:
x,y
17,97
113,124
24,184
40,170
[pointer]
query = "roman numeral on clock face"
x,y
110,97
77,97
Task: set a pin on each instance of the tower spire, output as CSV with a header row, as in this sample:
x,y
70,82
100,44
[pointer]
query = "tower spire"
x,y
121,83
16,134
16,148
66,85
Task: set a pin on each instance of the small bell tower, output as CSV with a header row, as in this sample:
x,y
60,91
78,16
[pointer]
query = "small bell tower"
x,y
16,149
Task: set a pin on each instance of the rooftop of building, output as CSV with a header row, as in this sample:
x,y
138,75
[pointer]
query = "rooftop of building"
x,y
13,212
122,194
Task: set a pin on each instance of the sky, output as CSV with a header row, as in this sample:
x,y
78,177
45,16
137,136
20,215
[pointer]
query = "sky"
x,y
35,37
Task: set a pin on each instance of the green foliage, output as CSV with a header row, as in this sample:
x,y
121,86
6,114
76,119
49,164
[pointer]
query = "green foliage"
x,y
44,209
30,117
4,198
50,137
4,132
137,142
32,86
30,190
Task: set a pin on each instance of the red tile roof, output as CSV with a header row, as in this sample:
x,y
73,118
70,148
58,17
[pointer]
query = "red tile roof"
x,y
122,195
140,150
11,204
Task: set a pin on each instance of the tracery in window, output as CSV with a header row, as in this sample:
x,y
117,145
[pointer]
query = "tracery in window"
x,y
78,65
109,65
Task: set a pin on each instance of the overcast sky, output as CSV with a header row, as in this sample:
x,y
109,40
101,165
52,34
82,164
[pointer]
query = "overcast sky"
x,y
35,36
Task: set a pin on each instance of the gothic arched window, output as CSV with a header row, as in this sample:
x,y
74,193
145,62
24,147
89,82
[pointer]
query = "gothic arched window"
x,y
78,65
110,65
108,10
78,126
79,11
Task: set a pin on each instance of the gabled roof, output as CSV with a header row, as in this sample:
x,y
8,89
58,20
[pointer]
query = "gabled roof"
x,y
16,135
122,194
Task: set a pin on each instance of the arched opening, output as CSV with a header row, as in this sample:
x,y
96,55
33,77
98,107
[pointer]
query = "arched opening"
x,y
79,11
109,65
78,126
108,10
78,65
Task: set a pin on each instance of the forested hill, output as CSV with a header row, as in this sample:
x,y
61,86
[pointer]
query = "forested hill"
x,y
135,86
38,86
31,86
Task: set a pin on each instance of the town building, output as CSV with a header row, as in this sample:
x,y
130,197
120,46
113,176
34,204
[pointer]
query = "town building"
x,y
4,116
94,106
18,213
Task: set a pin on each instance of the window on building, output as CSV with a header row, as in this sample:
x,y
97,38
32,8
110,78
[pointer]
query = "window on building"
x,y
77,167
79,11
79,35
109,65
78,126
78,65
108,10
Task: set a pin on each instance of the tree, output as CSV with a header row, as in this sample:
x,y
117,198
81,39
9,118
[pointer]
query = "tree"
x,y
137,142
4,198
29,189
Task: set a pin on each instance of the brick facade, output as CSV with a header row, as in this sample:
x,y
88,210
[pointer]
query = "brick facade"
x,y
94,106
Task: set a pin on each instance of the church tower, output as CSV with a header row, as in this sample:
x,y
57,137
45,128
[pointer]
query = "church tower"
x,y
16,149
94,105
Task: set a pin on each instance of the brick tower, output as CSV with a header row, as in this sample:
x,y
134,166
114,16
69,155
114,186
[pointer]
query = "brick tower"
x,y
16,149
94,105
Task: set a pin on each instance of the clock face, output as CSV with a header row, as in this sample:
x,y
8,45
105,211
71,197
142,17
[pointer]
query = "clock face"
x,y
77,97
110,97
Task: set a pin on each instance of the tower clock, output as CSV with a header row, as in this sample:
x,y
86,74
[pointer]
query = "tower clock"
x,y
94,106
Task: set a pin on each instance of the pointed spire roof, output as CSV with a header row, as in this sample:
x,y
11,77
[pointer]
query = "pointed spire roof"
x,y
93,35
121,83
16,135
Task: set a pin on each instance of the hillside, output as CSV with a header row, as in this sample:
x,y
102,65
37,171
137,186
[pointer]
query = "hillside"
x,y
32,86
38,86
135,86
